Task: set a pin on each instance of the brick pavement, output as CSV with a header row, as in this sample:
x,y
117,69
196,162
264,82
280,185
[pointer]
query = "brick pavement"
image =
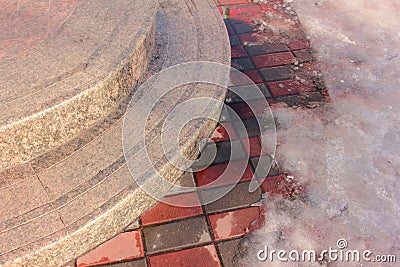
x,y
210,235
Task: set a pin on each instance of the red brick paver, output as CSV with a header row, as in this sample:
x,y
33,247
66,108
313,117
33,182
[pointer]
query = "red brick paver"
x,y
238,51
253,147
213,173
273,60
234,223
125,246
298,44
163,212
194,257
254,75
290,87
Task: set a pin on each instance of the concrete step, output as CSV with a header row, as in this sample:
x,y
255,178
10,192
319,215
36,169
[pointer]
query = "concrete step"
x,y
72,78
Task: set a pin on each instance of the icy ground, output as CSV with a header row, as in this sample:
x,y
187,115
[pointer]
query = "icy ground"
x,y
347,153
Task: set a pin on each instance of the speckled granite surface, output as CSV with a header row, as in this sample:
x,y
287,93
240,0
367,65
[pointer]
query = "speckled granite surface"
x,y
73,77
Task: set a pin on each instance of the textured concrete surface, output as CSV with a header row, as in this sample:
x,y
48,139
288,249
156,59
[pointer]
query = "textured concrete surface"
x,y
72,78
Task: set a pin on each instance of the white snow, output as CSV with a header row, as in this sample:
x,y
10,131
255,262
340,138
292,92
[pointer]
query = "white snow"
x,y
347,152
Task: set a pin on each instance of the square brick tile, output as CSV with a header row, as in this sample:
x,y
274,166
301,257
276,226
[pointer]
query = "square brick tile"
x,y
223,132
264,90
186,181
249,92
238,51
273,60
274,185
243,110
214,173
230,30
163,212
242,28
233,149
255,126
256,50
245,13
282,88
194,257
250,38
235,20
234,40
303,55
224,151
234,223
276,73
290,87
229,250
242,63
124,246
304,99
299,44
175,235
134,263
238,79
265,169
254,75
253,147
238,197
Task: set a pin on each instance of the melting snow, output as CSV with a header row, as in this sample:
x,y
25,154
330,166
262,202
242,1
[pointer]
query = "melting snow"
x,y
347,152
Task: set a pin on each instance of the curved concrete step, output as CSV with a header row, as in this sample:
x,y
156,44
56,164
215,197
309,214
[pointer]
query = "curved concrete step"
x,y
74,77
81,193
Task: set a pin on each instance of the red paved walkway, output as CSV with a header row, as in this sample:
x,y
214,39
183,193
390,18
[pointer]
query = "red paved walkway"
x,y
209,235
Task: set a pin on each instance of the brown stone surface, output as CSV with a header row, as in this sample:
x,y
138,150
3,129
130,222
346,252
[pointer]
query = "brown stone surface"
x,y
238,197
189,232
134,263
228,250
193,257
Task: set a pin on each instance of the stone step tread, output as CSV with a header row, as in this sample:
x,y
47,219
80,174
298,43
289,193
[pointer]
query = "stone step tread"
x,y
87,66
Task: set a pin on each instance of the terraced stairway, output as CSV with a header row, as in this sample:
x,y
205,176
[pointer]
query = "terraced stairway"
x,y
64,183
